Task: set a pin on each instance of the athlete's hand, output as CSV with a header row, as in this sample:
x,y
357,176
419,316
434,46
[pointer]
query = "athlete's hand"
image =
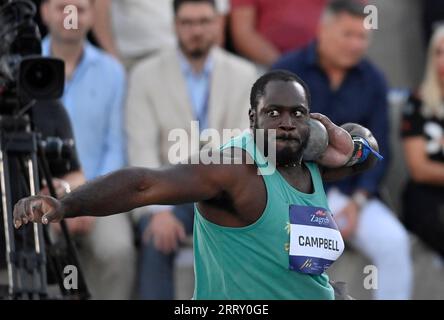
x,y
340,144
355,129
166,231
38,209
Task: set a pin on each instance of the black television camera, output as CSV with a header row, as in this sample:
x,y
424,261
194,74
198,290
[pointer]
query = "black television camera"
x,y
24,74
25,78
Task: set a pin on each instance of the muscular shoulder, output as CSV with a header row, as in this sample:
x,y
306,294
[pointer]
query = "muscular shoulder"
x,y
242,196
230,167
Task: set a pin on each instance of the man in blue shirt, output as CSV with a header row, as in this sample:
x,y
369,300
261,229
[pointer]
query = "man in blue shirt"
x,y
94,96
348,88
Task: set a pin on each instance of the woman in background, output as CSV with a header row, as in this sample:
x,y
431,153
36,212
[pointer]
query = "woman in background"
x,y
423,140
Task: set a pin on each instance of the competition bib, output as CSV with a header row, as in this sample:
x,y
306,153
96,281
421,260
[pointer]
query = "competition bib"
x,y
315,241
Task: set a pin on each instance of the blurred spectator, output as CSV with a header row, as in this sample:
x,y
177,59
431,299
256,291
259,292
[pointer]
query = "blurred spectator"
x,y
264,29
423,136
194,81
433,15
94,94
348,88
135,29
42,26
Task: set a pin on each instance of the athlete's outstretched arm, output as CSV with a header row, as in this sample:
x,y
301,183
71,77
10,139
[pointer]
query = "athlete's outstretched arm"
x,y
127,189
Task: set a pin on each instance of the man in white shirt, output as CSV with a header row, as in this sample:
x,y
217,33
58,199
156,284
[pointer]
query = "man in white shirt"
x,y
135,29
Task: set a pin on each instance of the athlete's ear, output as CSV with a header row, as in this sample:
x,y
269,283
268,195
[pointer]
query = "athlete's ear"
x,y
253,118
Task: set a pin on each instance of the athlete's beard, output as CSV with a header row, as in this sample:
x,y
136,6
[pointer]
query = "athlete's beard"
x,y
285,156
288,157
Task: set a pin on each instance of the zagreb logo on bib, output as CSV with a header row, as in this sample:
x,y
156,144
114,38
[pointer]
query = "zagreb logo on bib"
x,y
320,217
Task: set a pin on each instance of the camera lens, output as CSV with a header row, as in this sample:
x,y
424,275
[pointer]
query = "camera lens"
x,y
39,75
41,78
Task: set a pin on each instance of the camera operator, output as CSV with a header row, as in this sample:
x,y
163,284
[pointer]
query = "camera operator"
x,y
94,96
36,140
51,121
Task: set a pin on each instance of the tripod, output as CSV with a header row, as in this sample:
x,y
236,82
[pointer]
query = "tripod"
x,y
30,250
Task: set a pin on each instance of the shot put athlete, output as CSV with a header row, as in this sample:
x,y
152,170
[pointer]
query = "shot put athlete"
x,y
256,236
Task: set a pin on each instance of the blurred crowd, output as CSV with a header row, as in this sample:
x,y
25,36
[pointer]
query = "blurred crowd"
x,y
136,69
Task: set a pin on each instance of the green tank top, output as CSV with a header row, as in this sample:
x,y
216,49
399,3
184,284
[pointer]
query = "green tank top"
x,y
253,262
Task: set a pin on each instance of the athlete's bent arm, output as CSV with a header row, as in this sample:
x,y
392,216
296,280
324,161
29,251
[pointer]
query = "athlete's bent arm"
x,y
349,169
335,162
127,189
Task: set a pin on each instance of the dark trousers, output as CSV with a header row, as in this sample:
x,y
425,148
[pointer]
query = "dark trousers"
x,y
156,269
